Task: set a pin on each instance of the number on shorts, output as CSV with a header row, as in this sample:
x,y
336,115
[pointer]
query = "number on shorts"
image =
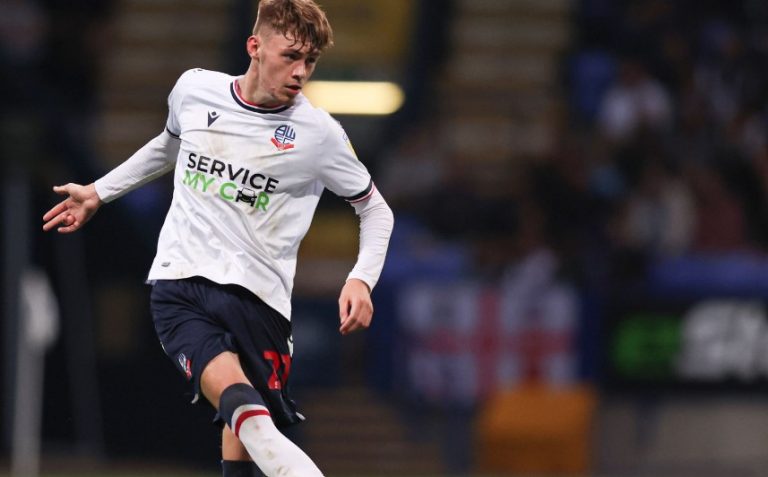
x,y
279,377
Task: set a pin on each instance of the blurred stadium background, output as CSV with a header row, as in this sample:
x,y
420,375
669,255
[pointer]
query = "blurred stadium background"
x,y
576,284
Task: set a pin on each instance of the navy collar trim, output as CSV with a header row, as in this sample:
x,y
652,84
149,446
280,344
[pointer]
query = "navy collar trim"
x,y
250,107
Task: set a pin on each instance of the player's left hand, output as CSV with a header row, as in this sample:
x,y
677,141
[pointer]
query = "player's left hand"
x,y
355,306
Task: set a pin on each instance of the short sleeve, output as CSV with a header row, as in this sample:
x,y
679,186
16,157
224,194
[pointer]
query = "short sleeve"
x,y
341,171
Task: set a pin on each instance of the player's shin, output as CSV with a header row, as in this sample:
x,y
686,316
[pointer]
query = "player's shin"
x,y
243,408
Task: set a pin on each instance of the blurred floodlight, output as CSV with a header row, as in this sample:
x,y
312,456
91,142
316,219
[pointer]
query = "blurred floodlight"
x,y
355,97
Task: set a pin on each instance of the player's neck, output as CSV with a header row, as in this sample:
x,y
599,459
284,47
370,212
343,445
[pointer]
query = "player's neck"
x,y
247,87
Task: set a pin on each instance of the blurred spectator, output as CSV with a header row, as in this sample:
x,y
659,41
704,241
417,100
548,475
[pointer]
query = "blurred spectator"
x,y
721,222
730,74
591,73
414,167
634,103
659,215
695,140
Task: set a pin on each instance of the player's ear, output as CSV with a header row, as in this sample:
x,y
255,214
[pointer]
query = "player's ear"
x,y
252,46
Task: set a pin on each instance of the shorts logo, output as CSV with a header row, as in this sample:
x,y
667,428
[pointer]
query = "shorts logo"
x,y
186,365
284,137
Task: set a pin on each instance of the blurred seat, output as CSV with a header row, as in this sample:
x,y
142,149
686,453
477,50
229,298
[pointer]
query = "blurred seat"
x,y
353,431
152,43
536,429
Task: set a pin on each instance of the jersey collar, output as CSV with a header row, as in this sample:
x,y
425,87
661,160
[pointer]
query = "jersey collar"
x,y
234,88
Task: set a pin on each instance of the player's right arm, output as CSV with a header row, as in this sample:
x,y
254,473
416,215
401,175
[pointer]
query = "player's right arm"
x,y
73,212
156,158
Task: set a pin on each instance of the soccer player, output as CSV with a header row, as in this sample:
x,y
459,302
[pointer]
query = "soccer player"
x,y
251,157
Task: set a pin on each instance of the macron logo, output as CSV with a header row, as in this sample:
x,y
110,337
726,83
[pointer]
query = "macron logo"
x,y
212,117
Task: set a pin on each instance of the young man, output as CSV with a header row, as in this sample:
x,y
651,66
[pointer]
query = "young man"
x,y
251,157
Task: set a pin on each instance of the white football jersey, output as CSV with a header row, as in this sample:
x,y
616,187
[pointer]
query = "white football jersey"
x,y
246,184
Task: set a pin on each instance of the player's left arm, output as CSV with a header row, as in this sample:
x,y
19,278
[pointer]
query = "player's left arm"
x,y
355,306
339,169
376,223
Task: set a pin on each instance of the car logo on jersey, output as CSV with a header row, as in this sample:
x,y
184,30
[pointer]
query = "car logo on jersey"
x,y
212,117
284,137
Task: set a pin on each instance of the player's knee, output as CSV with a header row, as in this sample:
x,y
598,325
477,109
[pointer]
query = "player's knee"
x,y
220,373
237,395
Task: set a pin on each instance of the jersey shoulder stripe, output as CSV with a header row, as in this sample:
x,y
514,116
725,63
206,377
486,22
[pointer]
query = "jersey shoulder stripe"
x,y
361,195
173,134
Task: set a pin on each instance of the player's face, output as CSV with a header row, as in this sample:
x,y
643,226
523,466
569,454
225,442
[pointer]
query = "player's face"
x,y
284,66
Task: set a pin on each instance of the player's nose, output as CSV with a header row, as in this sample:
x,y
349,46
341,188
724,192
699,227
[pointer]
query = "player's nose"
x,y
300,71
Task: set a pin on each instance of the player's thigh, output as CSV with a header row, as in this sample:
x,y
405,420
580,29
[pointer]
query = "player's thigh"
x,y
263,340
189,335
221,372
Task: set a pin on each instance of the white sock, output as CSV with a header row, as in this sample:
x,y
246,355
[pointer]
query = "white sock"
x,y
274,453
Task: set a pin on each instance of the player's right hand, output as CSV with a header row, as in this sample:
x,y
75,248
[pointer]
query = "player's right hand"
x,y
73,212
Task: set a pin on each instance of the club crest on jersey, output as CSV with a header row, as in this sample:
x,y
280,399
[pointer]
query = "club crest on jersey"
x,y
284,137
186,365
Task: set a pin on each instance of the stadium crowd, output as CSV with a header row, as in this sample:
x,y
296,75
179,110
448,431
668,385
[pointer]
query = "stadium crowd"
x,y
661,153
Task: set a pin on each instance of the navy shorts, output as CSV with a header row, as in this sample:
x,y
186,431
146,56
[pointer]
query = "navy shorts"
x,y
196,320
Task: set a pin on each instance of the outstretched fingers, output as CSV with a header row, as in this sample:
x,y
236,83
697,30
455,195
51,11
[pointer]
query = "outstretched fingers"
x,y
55,210
70,225
67,216
65,221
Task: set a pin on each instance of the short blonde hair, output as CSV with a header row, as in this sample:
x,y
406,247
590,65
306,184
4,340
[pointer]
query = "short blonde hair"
x,y
302,19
